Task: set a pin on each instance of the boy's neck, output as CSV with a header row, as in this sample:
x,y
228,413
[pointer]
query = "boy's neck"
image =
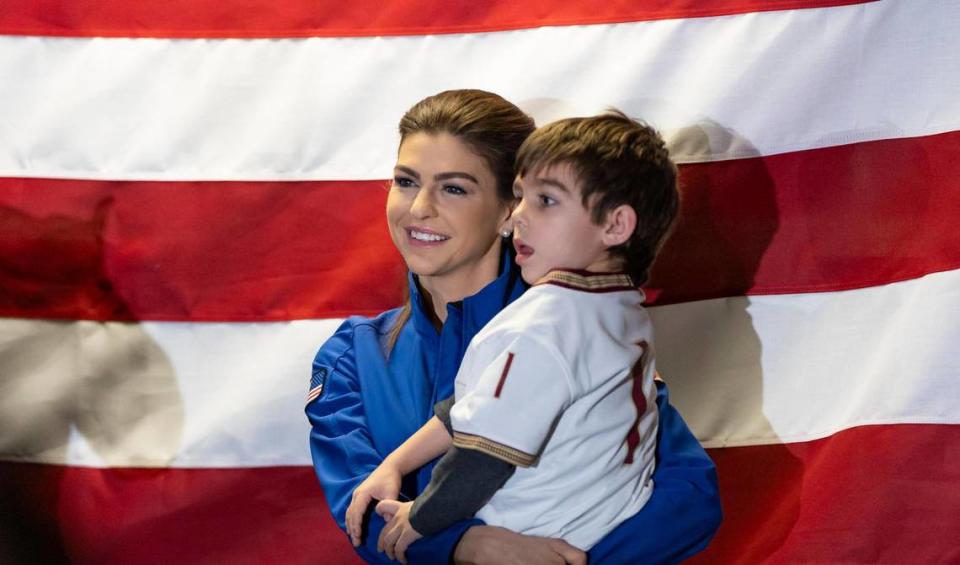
x,y
606,263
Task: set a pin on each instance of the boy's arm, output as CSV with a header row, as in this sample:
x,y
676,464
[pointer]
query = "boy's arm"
x,y
383,483
684,509
344,451
428,443
442,411
462,482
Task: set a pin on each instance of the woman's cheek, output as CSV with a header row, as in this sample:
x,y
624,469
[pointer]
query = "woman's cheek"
x,y
394,214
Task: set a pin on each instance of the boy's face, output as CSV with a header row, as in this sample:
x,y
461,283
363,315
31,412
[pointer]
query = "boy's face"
x,y
551,227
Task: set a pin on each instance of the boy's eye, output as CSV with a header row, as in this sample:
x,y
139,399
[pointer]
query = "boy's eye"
x,y
546,200
453,189
403,182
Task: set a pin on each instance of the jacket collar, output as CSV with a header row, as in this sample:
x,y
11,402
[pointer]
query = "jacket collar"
x,y
473,312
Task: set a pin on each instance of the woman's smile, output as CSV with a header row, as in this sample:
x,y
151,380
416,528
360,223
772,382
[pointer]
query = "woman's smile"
x,y
425,237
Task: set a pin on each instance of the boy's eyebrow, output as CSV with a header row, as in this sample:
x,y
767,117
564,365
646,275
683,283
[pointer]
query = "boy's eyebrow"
x,y
554,183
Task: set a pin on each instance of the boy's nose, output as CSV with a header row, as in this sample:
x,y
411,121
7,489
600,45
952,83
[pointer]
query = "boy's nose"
x,y
517,217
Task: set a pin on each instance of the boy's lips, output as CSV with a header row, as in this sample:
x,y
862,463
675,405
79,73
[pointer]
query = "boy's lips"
x,y
524,251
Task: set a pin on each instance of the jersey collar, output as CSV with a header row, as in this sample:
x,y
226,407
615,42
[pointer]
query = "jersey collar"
x,y
587,281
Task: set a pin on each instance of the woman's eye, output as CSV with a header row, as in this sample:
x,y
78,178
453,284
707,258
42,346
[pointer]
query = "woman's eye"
x,y
453,189
403,182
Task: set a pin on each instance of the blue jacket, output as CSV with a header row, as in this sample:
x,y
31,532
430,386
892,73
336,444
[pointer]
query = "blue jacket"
x,y
369,404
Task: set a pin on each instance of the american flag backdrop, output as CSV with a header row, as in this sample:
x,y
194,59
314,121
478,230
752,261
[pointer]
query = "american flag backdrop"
x,y
191,200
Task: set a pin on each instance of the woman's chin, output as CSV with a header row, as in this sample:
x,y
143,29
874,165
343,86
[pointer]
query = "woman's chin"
x,y
420,267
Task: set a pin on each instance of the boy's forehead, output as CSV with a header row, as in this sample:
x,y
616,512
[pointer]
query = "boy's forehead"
x,y
562,175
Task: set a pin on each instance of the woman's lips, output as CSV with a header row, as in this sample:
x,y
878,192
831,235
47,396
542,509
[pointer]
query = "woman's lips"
x,y
524,251
425,237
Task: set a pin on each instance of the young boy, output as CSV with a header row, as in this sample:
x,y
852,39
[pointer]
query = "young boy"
x,y
556,393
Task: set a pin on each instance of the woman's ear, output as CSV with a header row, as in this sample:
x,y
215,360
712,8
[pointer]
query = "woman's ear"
x,y
619,225
506,228
507,224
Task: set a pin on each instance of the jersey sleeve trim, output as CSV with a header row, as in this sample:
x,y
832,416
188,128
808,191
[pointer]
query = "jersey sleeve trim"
x,y
503,452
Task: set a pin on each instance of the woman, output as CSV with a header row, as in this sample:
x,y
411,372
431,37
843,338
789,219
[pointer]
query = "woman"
x,y
376,380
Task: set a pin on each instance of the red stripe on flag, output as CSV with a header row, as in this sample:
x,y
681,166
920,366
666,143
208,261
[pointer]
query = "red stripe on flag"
x,y
195,251
828,219
871,494
875,494
54,514
296,18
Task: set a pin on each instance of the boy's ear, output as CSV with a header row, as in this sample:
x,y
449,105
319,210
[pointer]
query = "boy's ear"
x,y
619,225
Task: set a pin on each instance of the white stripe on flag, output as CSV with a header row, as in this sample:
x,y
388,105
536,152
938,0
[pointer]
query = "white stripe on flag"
x,y
790,368
743,371
327,108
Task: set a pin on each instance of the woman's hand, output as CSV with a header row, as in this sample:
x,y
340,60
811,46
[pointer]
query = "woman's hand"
x,y
382,484
482,545
398,534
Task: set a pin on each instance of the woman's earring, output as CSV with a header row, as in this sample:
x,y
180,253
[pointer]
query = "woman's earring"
x,y
505,233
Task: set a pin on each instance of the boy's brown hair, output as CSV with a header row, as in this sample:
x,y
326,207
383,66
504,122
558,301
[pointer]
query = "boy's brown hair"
x,y
618,161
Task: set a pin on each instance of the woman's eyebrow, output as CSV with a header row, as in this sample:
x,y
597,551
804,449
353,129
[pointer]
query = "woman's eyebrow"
x,y
408,171
456,174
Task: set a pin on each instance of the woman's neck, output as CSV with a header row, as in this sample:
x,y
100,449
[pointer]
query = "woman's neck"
x,y
438,291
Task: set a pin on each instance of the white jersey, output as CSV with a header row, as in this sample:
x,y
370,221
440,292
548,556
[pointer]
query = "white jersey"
x,y
560,383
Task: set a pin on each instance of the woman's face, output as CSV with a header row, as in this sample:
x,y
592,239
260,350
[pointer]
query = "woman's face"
x,y
444,214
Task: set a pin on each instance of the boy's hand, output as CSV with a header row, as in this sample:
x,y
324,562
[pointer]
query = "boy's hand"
x,y
382,484
398,534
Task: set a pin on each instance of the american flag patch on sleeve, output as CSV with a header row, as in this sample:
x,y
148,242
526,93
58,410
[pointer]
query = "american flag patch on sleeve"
x,y
317,381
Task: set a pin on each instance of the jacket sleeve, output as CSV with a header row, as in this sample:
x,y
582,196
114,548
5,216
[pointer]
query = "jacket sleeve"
x,y
683,513
344,453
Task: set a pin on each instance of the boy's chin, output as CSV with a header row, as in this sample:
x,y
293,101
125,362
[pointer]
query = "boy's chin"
x,y
529,275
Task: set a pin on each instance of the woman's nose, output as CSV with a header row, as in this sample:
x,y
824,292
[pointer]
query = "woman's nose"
x,y
423,205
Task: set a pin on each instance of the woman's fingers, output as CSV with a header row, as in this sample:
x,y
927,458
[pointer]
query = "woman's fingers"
x,y
355,512
570,554
490,545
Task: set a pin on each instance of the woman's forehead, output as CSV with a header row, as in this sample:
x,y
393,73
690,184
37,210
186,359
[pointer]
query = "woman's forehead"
x,y
436,153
